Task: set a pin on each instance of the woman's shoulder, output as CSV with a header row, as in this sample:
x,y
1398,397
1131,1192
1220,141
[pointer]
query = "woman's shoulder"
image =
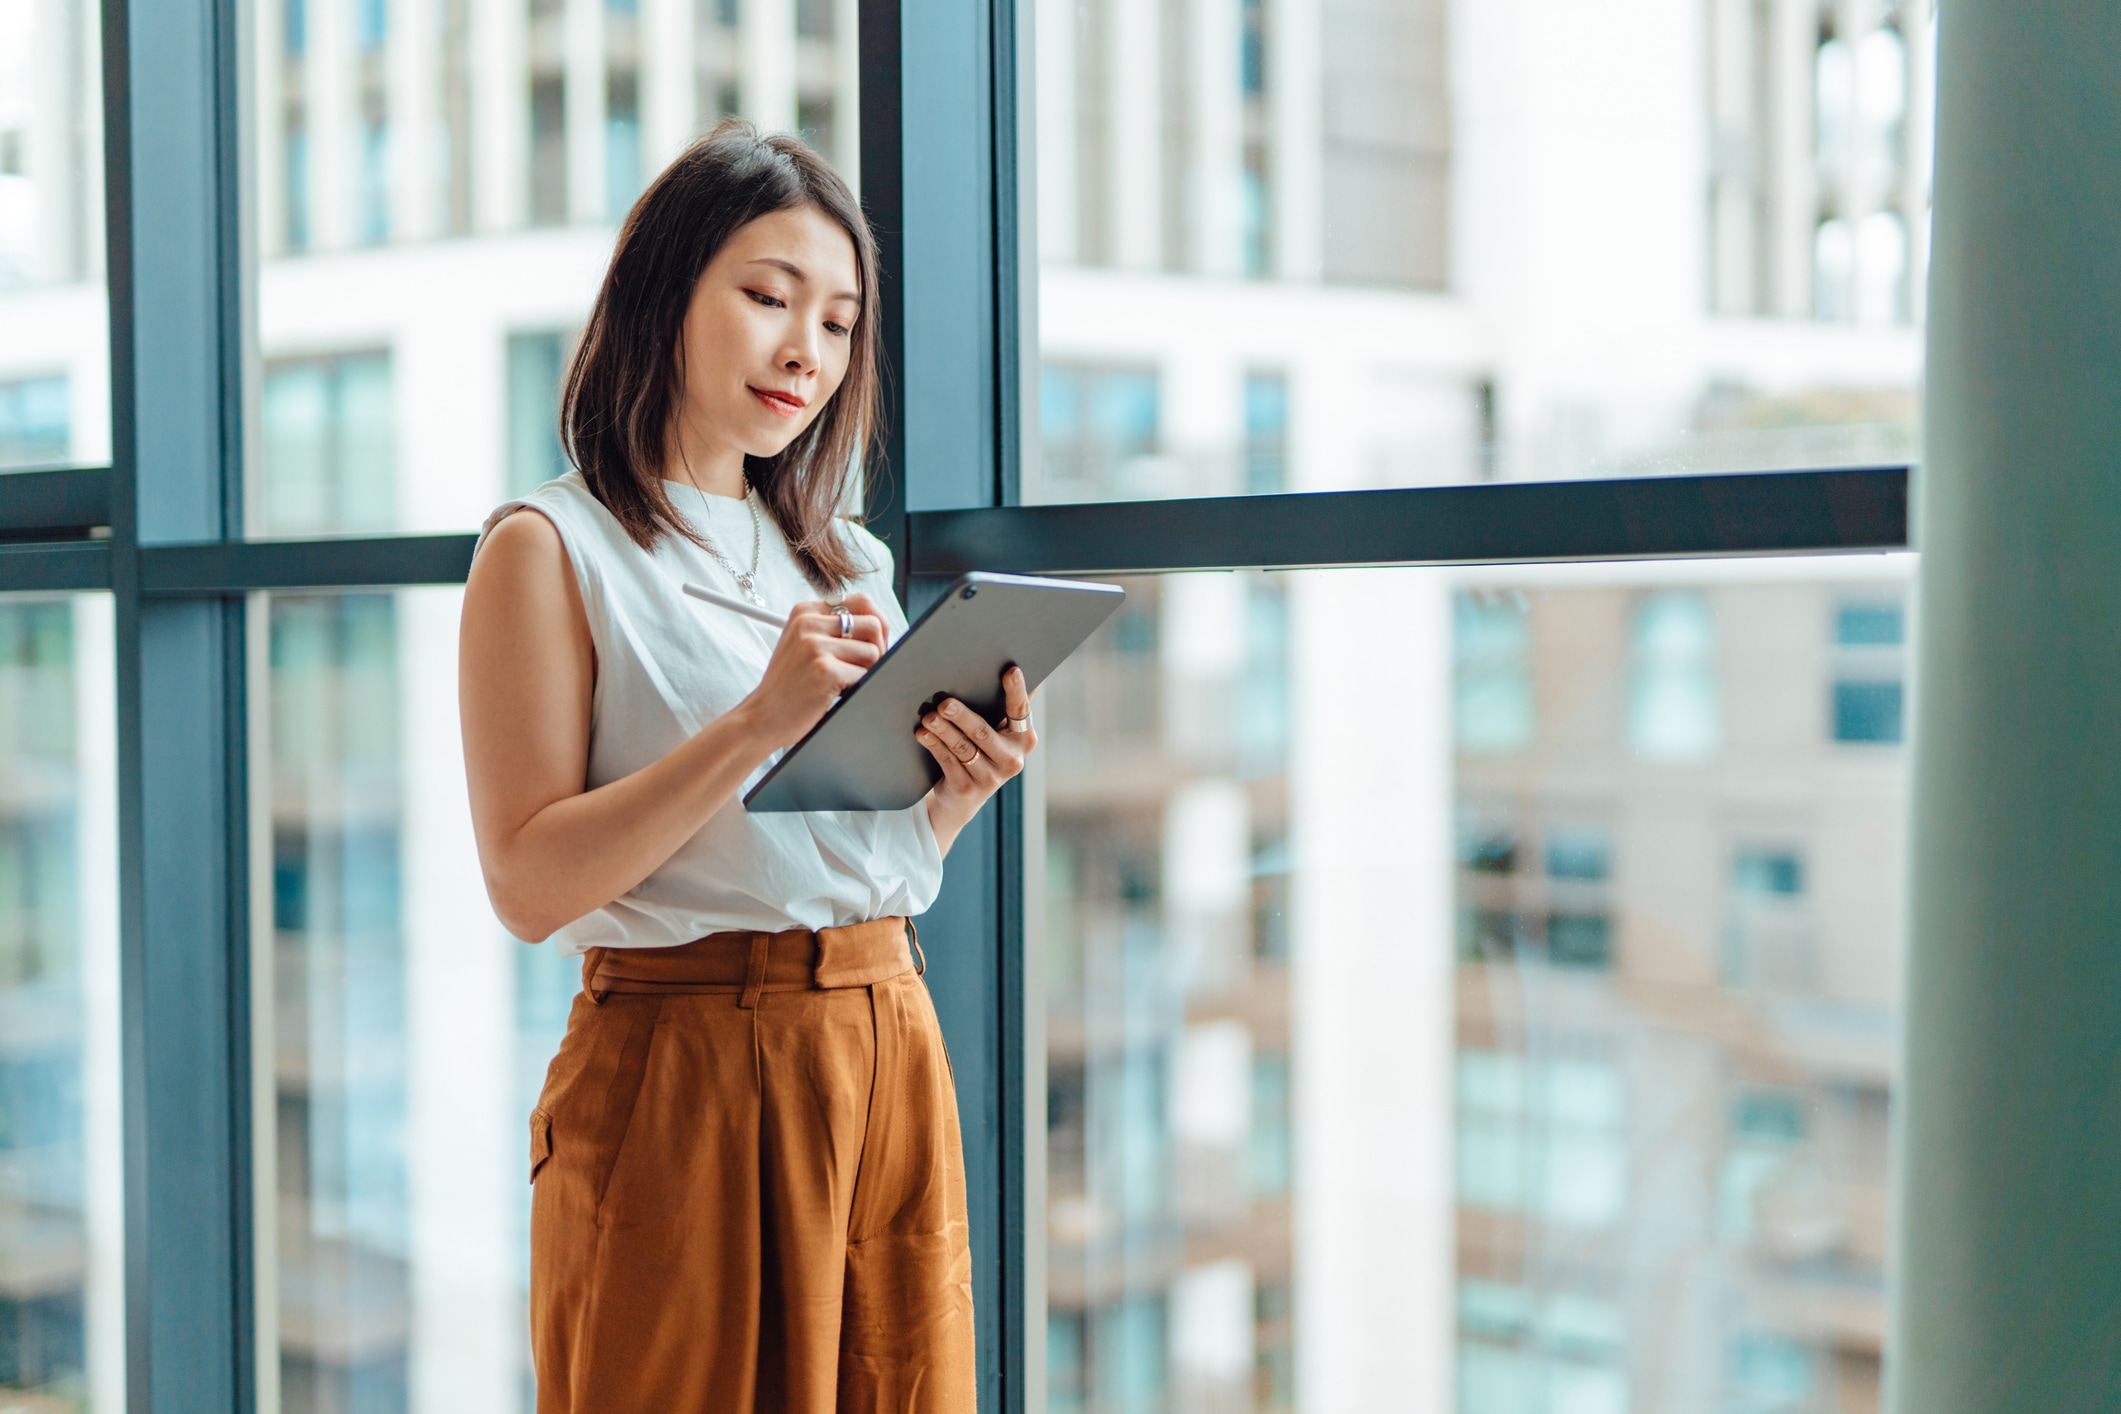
x,y
566,502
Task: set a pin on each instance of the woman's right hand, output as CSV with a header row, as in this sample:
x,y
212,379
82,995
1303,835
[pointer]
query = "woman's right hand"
x,y
812,665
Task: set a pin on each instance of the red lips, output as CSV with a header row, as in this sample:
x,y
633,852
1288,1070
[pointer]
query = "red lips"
x,y
785,403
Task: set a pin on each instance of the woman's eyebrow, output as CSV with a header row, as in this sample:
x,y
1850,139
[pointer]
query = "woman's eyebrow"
x,y
797,272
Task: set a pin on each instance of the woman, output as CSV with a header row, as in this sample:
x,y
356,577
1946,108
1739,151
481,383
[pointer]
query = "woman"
x,y
749,1189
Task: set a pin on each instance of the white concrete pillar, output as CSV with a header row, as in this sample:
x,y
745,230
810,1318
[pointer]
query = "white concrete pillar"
x,y
268,129
466,1144
846,151
96,895
1059,169
1216,154
1134,133
1919,23
583,24
766,64
413,109
1795,174
89,19
500,114
1295,128
2007,1284
54,96
1371,982
669,65
330,122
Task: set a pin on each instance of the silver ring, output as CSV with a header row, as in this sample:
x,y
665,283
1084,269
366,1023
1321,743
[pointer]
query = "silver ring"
x,y
1021,724
846,620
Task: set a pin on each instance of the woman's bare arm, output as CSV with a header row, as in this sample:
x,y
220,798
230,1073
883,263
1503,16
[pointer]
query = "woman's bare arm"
x,y
552,851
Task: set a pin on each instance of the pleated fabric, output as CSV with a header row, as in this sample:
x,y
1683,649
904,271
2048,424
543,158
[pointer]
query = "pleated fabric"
x,y
749,1185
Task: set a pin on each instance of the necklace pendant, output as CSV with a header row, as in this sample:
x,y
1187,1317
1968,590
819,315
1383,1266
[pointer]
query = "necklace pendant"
x,y
743,582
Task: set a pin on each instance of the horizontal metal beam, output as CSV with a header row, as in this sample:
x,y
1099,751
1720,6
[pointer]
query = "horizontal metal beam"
x,y
74,564
46,504
1760,513
237,566
1767,513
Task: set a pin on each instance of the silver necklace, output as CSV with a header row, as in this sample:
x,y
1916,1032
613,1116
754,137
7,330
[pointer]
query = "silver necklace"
x,y
743,578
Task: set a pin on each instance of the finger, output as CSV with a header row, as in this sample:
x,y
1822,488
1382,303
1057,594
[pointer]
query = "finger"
x,y
869,619
852,650
953,769
971,723
1015,695
959,744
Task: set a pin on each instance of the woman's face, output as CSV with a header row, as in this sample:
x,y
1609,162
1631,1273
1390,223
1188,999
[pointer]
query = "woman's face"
x,y
769,332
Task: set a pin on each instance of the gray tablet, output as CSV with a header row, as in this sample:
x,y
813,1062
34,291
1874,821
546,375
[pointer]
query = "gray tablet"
x,y
862,755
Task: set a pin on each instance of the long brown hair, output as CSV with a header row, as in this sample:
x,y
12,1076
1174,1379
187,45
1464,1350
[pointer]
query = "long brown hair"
x,y
627,379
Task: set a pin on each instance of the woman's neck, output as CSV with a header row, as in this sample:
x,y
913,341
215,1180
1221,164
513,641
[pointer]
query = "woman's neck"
x,y
705,462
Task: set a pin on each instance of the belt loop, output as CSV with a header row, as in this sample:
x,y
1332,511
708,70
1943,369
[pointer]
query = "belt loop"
x,y
592,962
920,959
755,976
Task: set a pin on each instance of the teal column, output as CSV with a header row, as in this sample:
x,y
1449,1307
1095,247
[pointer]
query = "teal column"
x,y
2008,1283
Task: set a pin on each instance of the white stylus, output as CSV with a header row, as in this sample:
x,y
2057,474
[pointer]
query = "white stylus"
x,y
736,605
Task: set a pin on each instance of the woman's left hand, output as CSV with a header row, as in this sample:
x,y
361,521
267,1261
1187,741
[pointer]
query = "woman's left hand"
x,y
976,756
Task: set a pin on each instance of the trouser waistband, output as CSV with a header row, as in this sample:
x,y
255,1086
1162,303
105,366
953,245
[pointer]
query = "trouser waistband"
x,y
749,964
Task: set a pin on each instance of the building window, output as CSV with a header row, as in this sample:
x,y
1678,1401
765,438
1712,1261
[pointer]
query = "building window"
x,y
1385,144
339,974
296,159
534,368
622,142
36,421
1546,1138
372,20
1099,432
548,149
1493,706
1769,940
1272,1163
1266,433
330,463
1870,669
1673,710
375,182
814,115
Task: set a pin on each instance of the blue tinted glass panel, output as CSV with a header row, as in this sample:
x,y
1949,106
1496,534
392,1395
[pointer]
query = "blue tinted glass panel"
x,y
36,422
1868,711
1767,872
1870,625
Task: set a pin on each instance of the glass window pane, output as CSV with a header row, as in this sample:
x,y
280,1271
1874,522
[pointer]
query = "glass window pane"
x,y
1371,243
407,1034
54,314
1504,1021
62,1177
436,190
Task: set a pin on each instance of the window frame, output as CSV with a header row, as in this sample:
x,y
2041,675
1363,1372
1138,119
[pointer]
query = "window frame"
x,y
945,163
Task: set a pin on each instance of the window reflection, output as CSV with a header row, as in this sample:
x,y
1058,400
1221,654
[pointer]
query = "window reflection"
x,y
438,192
54,338
62,1310
1475,250
1548,1078
407,1034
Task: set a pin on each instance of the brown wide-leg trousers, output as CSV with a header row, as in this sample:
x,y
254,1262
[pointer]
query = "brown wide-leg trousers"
x,y
750,1190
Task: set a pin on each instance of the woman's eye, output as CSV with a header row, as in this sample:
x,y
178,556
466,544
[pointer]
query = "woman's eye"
x,y
836,328
763,298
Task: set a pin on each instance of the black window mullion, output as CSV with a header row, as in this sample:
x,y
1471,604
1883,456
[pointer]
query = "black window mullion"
x,y
177,303
938,107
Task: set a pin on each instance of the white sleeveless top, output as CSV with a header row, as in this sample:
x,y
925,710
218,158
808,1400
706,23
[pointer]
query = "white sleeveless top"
x,y
667,665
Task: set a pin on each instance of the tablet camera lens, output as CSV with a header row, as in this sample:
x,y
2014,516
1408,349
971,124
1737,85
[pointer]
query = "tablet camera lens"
x,y
970,590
